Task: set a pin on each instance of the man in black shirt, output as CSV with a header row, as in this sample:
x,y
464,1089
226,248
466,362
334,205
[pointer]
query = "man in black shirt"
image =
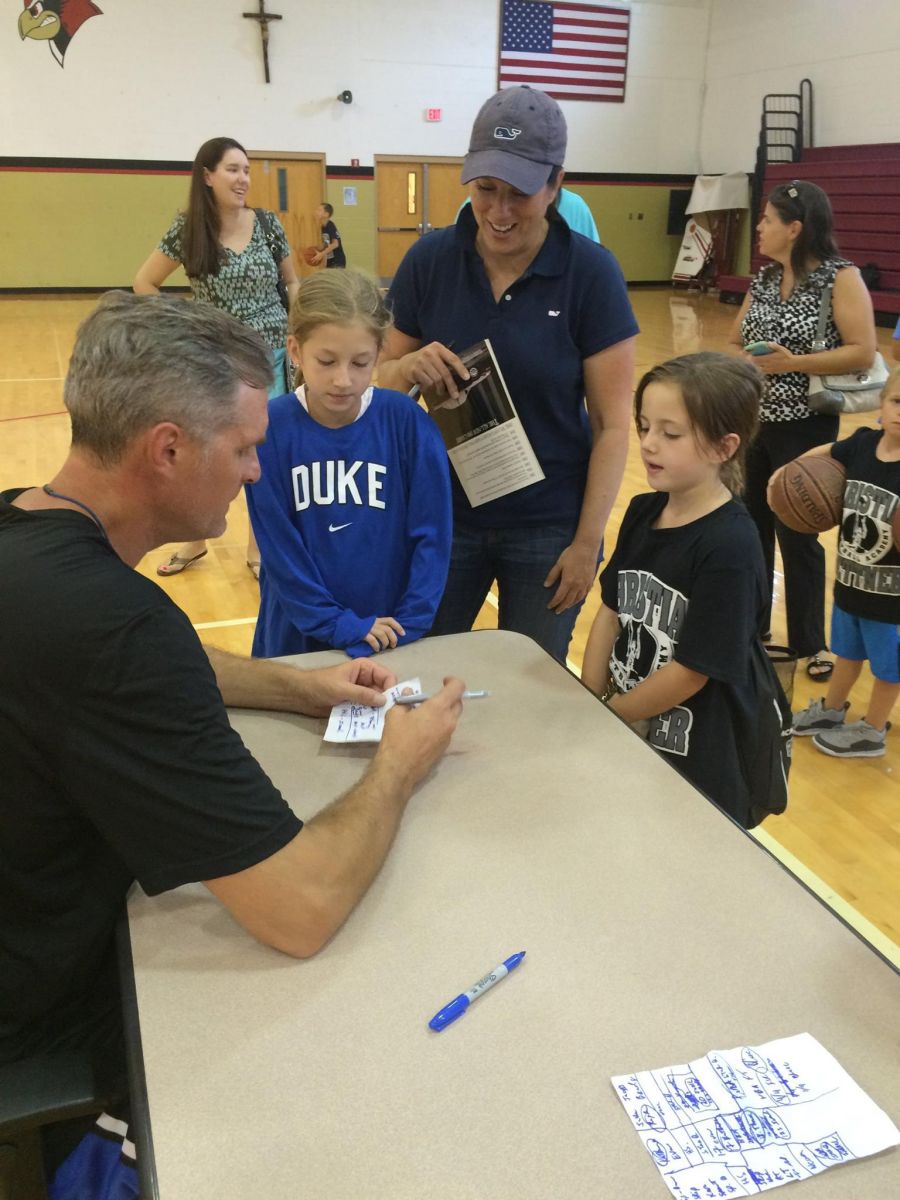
x,y
332,252
118,759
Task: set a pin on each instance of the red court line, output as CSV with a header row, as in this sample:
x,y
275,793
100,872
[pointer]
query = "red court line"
x,y
96,171
34,416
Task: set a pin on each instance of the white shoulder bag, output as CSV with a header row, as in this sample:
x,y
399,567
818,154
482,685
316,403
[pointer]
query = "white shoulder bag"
x,y
855,392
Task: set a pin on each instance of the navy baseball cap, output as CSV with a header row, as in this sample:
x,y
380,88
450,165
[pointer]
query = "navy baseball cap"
x,y
518,136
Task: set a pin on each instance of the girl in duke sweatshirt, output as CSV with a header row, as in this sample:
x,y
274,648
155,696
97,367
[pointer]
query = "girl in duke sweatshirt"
x,y
352,511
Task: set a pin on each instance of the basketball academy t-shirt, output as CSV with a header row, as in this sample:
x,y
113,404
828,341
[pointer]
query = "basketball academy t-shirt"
x,y
330,234
867,579
693,595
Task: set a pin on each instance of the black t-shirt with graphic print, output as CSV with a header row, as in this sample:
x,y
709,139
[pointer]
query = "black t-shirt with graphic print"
x,y
330,234
867,579
694,595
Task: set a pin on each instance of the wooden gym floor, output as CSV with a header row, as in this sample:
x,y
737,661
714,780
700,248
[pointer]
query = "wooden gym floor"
x,y
841,833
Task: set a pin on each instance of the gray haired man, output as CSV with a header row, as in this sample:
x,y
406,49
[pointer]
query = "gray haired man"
x,y
118,757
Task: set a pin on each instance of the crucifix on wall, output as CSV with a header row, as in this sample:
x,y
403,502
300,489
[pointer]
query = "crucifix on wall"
x,y
264,18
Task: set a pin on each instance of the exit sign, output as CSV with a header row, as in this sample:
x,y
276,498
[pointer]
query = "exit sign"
x,y
432,114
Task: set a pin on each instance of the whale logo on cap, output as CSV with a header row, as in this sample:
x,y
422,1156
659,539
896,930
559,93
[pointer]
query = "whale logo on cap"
x,y
506,134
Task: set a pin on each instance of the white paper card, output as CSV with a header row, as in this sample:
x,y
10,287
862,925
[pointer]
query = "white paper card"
x,y
738,1122
362,722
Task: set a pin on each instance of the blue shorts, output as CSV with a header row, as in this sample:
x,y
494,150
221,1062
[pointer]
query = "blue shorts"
x,y
860,639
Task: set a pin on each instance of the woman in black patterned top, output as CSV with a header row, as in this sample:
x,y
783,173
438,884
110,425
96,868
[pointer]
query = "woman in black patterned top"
x,y
782,309
235,257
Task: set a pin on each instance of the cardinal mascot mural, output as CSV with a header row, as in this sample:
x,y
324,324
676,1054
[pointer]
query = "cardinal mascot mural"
x,y
56,22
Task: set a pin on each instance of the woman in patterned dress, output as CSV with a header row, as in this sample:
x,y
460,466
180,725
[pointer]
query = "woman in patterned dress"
x,y
234,257
782,309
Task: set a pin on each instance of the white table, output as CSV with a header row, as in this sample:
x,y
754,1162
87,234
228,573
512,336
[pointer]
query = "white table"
x,y
656,930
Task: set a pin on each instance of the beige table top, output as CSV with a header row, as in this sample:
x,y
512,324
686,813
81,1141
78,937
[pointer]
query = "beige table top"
x,y
656,930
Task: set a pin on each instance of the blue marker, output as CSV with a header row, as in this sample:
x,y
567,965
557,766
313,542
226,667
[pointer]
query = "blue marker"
x,y
457,1007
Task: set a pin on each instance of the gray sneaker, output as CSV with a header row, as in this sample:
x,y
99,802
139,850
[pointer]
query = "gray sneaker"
x,y
858,739
816,718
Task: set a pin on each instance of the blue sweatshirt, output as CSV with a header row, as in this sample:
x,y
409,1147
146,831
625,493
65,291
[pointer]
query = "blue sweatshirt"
x,y
352,524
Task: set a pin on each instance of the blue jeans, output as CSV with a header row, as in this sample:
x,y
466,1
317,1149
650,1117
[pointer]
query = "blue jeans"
x,y
520,560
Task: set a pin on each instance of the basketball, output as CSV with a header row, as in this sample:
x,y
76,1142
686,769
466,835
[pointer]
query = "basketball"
x,y
309,254
895,527
808,493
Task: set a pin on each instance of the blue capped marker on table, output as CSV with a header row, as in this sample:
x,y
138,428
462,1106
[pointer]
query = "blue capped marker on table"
x,y
457,1007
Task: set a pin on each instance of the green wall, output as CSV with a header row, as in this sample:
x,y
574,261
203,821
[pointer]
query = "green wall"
x,y
93,229
71,229
631,220
355,221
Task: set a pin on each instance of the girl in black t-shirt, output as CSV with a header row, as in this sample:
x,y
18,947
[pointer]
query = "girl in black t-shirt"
x,y
684,593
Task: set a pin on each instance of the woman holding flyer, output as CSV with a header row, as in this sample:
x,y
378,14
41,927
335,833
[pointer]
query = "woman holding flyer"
x,y
554,309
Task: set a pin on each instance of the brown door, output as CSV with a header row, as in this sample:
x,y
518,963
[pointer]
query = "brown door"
x,y
414,197
293,188
400,212
445,193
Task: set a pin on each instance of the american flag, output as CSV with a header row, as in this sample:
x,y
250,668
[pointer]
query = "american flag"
x,y
569,51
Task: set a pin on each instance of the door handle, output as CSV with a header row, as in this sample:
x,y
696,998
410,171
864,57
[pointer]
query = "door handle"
x,y
399,228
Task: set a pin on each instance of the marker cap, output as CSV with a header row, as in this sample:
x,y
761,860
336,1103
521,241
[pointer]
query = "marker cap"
x,y
449,1013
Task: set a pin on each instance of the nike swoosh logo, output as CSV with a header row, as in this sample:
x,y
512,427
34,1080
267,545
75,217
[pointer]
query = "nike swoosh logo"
x,y
335,528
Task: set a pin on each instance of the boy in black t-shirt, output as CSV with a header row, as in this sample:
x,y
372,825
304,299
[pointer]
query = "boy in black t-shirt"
x,y
332,252
866,614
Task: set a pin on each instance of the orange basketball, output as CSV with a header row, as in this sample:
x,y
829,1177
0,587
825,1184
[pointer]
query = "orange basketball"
x,y
808,493
310,253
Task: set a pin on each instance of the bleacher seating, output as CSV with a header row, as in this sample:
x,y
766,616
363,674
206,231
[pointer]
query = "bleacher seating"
x,y
863,184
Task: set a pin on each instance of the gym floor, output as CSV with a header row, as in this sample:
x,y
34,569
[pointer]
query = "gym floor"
x,y
841,833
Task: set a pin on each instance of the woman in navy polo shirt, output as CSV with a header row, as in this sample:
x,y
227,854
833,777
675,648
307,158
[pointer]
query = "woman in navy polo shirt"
x,y
555,308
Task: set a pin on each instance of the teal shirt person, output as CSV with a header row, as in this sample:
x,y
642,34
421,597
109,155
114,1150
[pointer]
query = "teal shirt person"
x,y
576,214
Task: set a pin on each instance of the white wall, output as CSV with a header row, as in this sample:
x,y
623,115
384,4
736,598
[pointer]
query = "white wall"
x,y
850,49
152,79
